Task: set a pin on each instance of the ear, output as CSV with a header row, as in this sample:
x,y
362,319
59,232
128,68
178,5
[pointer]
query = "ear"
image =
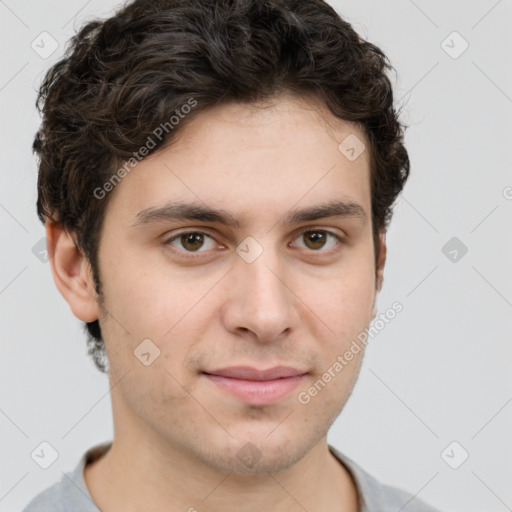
x,y
380,269
382,260
71,272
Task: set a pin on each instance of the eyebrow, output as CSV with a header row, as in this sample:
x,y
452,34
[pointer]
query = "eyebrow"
x,y
194,211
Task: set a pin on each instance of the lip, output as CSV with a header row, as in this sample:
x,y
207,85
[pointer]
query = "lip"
x,y
254,386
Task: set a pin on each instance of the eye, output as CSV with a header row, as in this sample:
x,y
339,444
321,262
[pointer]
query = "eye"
x,y
190,241
317,239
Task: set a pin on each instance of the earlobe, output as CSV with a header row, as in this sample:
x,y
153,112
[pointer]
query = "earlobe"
x,y
71,272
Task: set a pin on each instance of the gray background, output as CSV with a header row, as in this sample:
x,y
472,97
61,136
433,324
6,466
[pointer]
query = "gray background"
x,y
438,373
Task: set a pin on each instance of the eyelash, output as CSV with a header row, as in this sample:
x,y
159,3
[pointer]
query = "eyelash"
x,y
308,229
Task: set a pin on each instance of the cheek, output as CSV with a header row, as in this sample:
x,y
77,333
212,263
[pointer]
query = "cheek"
x,y
155,393
151,370
343,304
347,310
145,303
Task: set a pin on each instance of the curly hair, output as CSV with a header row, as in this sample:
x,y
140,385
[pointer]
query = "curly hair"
x,y
122,77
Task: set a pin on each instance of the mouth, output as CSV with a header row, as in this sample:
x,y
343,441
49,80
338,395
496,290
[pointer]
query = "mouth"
x,y
257,387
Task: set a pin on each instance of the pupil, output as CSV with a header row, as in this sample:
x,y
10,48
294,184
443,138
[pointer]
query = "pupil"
x,y
316,237
192,238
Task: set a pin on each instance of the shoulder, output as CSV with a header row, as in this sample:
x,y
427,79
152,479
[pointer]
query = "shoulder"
x,y
378,497
70,493
49,500
62,496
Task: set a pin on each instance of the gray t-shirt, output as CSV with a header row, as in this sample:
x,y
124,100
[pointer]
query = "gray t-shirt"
x,y
70,494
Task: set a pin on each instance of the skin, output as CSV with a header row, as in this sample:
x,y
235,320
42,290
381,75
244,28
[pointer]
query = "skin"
x,y
176,434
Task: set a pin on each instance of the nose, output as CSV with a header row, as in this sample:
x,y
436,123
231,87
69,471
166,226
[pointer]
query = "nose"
x,y
261,299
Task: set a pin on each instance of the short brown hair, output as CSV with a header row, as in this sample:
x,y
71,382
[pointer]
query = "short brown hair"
x,y
122,77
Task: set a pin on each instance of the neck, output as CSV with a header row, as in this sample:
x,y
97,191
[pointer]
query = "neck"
x,y
141,475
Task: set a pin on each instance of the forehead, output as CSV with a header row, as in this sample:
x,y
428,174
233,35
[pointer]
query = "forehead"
x,y
266,157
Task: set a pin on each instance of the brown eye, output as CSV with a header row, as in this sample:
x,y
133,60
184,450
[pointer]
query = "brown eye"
x,y
317,239
314,239
190,241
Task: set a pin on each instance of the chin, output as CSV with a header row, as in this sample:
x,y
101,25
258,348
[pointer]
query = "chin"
x,y
257,453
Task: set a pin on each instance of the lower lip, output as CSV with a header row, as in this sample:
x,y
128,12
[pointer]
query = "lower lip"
x,y
257,392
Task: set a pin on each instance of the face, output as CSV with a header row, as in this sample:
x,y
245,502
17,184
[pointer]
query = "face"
x,y
255,286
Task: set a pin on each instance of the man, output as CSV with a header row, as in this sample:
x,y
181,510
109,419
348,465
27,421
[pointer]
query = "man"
x,y
216,179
